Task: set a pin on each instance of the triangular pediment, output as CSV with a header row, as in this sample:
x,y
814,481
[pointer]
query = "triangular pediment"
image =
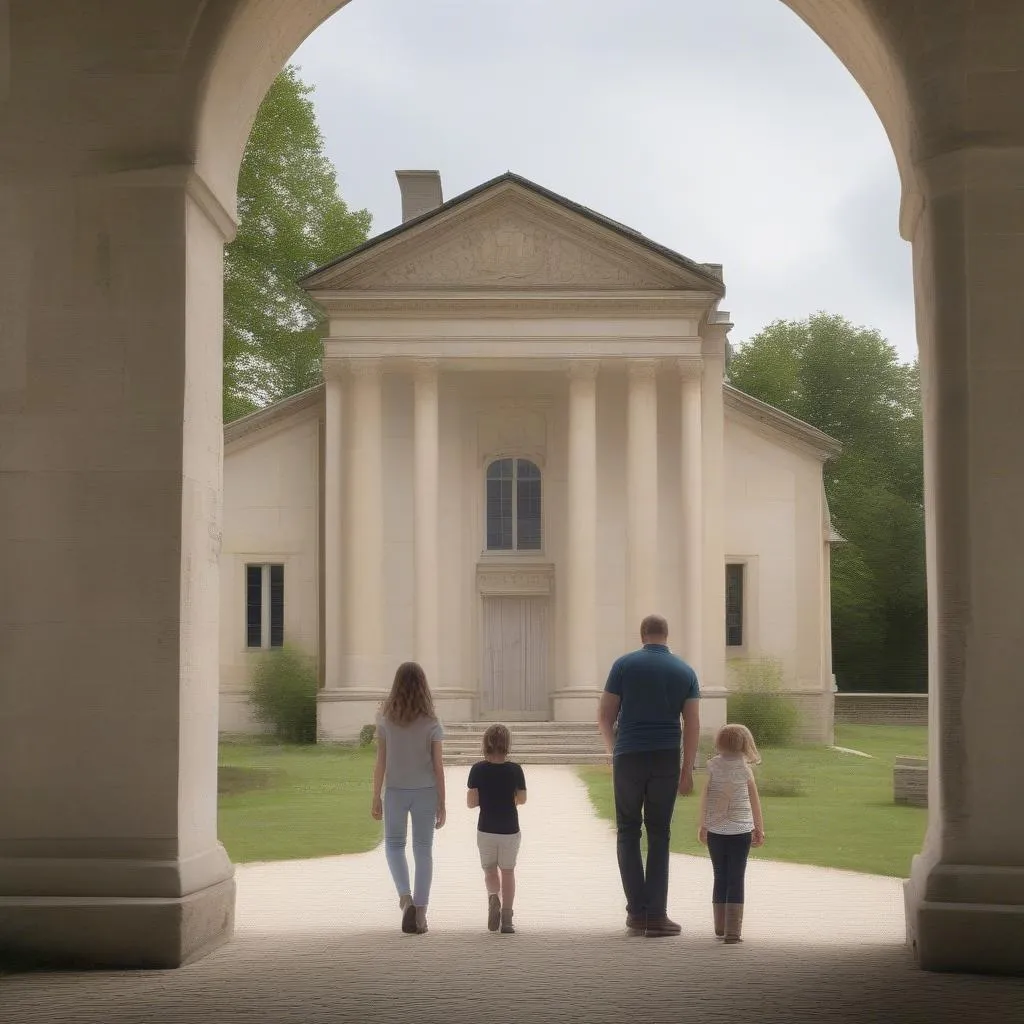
x,y
509,237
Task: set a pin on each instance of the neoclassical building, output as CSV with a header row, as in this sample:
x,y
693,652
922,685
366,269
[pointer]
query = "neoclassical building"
x,y
523,445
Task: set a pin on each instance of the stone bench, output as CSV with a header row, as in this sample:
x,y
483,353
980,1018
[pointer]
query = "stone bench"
x,y
910,781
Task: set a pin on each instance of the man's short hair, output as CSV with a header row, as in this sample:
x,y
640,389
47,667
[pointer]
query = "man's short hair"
x,y
654,625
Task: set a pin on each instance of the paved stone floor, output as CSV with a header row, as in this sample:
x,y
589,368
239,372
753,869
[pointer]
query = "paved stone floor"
x,y
318,941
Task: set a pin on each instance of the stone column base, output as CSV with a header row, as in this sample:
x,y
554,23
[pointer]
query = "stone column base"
x,y
575,706
713,710
116,932
965,918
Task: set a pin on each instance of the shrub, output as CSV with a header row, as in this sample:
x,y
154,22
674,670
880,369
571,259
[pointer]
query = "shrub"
x,y
758,703
366,735
283,695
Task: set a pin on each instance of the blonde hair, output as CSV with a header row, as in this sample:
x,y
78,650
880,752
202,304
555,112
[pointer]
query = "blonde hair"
x,y
410,697
497,741
737,739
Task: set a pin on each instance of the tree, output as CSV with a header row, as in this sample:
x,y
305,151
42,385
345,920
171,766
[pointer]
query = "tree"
x,y
848,381
291,220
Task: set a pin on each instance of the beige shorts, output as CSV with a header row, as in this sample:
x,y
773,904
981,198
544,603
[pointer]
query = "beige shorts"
x,y
498,850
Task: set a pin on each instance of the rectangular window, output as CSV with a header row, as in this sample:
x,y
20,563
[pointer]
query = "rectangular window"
x,y
734,605
264,606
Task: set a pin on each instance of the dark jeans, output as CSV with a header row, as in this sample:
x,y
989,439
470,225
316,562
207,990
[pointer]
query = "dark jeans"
x,y
729,861
646,785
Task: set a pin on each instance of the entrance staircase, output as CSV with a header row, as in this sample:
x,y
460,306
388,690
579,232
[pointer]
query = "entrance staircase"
x,y
532,743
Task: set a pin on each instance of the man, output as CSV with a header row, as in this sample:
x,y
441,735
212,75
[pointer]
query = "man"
x,y
648,691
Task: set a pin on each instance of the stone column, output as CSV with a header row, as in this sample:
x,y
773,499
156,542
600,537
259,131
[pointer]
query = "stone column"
x,y
426,520
965,897
110,533
334,519
581,528
364,535
691,516
642,495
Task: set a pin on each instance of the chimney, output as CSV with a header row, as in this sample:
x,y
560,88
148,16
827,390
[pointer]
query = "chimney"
x,y
421,193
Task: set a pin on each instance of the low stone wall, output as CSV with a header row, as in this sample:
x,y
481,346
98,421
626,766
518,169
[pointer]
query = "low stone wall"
x,y
910,781
881,708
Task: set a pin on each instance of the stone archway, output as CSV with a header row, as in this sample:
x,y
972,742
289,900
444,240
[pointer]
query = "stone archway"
x,y
122,139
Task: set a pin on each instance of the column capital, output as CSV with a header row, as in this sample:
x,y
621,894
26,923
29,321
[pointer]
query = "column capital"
x,y
690,367
425,368
365,367
584,369
643,369
334,369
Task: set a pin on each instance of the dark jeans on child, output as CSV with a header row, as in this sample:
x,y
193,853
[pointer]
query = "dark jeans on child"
x,y
729,861
645,784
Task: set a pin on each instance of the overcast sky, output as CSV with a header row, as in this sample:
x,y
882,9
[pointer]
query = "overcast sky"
x,y
725,130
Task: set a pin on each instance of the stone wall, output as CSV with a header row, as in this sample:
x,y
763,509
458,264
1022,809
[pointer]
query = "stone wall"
x,y
881,708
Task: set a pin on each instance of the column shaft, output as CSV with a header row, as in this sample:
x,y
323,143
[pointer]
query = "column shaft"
x,y
581,532
642,496
334,514
426,529
692,519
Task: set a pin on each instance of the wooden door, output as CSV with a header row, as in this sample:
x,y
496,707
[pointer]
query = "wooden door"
x,y
515,659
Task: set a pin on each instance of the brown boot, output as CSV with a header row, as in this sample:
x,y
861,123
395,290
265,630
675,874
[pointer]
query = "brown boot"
x,y
506,922
661,927
493,912
636,924
719,909
733,922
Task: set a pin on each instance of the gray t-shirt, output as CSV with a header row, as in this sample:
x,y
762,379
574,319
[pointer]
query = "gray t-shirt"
x,y
408,763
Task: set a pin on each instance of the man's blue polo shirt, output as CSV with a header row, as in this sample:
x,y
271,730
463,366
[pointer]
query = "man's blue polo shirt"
x,y
652,685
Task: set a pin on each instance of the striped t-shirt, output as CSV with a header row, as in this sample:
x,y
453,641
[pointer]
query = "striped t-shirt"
x,y
728,800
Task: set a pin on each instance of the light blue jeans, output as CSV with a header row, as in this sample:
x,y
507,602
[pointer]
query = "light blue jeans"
x,y
421,806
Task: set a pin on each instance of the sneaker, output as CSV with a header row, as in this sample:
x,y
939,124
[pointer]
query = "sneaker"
x,y
506,922
420,920
408,915
493,912
660,927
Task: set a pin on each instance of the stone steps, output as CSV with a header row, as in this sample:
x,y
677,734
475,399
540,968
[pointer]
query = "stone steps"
x,y
532,742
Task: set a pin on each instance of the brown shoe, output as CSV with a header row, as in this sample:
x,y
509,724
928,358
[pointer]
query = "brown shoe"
x,y
733,922
493,912
719,909
660,927
636,924
421,920
506,922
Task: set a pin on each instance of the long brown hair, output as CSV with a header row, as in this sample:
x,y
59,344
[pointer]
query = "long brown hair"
x,y
737,739
410,696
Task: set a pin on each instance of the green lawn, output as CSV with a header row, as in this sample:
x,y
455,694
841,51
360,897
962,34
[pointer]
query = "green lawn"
x,y
286,802
845,817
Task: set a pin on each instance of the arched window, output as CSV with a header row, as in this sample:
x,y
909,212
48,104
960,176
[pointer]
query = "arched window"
x,y
513,505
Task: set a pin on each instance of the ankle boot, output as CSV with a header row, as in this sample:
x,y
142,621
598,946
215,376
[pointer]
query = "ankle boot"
x,y
719,911
506,922
733,922
493,912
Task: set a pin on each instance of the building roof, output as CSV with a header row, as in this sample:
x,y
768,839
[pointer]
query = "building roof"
x,y
709,273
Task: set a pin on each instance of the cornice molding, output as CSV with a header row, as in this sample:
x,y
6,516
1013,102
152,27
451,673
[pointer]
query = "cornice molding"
x,y
311,400
781,424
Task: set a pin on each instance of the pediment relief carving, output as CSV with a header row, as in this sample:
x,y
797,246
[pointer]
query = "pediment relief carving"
x,y
508,248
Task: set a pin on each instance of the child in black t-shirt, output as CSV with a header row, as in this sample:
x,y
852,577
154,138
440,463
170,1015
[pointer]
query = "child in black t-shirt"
x,y
497,786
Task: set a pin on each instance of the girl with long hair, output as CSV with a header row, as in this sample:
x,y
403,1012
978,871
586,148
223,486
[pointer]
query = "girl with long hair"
x,y
410,770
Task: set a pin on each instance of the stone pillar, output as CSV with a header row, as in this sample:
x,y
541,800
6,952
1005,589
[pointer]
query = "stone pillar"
x,y
642,495
334,518
576,701
690,630
965,897
110,527
713,667
427,534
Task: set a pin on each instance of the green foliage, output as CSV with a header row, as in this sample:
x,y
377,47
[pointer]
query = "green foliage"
x,y
848,381
366,735
291,220
756,701
283,695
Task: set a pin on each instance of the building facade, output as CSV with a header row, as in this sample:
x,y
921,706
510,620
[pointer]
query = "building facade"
x,y
523,445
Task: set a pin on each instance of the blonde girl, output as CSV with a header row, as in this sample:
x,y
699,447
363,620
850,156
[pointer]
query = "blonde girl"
x,y
410,768
730,823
